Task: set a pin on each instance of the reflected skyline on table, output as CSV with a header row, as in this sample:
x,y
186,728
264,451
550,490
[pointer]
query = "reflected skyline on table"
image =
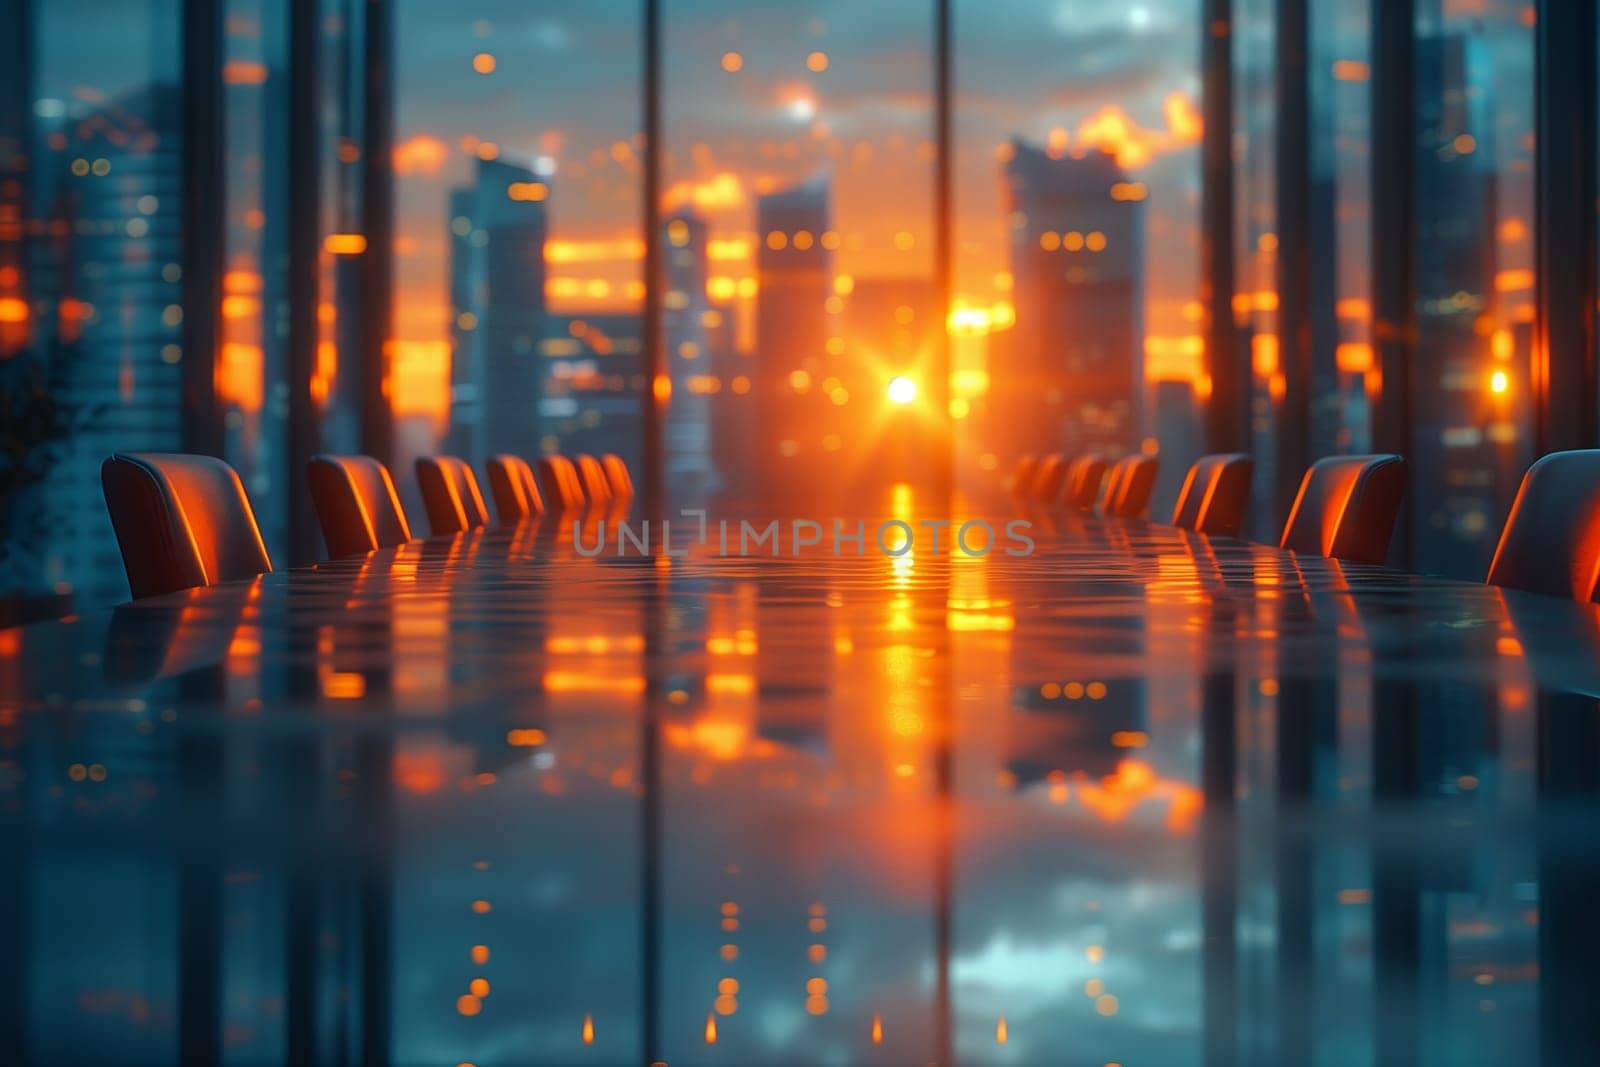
x,y
886,801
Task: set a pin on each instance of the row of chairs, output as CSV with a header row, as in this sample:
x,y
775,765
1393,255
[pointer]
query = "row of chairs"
x,y
1347,506
1054,479
185,521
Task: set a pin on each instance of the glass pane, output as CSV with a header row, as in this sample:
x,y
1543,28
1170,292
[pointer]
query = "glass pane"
x,y
251,369
1341,228
799,186
518,248
1255,302
98,326
517,328
1471,418
336,382
1076,210
1077,201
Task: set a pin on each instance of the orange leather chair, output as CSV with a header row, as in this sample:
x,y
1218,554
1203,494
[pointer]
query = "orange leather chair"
x,y
1346,508
1049,478
617,476
1551,540
181,521
1022,477
516,494
1214,495
1084,476
450,494
1129,486
596,488
357,505
558,480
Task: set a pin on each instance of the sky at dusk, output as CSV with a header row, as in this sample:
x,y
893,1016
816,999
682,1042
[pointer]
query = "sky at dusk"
x,y
565,87
757,96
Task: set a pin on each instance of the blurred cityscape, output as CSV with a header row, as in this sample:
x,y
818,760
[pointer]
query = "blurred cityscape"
x,y
799,322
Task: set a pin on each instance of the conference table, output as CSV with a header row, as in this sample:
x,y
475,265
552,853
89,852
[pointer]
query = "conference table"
x,y
1134,797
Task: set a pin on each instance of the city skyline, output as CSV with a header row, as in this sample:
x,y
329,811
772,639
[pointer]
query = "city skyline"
x,y
817,104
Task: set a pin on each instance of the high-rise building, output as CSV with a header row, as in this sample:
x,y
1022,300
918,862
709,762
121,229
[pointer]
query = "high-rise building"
x,y
592,386
687,324
110,292
509,211
1070,374
796,435
1462,435
733,407
16,165
466,354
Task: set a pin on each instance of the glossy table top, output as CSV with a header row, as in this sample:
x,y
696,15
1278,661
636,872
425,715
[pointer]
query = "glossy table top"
x,y
1134,798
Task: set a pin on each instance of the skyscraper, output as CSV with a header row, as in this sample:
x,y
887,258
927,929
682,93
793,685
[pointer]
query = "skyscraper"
x,y
16,165
593,384
794,272
110,286
686,329
1462,436
466,355
1070,375
509,211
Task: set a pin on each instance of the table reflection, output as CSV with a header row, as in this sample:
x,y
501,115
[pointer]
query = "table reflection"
x,y
1140,797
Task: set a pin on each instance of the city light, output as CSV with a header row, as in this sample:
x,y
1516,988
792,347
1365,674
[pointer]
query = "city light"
x,y
902,390
345,244
1499,382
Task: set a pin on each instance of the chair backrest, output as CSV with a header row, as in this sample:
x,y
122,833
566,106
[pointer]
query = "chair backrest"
x,y
1022,477
1128,489
356,504
516,494
1214,495
181,521
1551,540
1346,508
1083,481
451,495
558,480
1048,478
596,489
617,476
1113,483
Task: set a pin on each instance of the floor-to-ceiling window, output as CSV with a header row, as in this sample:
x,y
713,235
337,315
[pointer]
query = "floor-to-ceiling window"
x,y
800,318
1076,315
251,381
519,251
1077,326
1073,318
336,377
1340,74
1471,418
518,327
91,358
1255,299
95,313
